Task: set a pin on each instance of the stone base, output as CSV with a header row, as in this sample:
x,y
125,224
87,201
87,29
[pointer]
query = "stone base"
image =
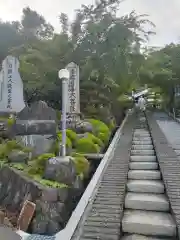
x,y
53,205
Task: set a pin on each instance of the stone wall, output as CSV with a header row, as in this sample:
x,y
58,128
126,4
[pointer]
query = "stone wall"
x,y
53,206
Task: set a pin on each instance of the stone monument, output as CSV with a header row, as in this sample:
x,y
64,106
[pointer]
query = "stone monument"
x,y
11,86
73,98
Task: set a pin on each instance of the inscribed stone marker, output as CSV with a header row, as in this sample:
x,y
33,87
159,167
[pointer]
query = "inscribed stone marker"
x,y
73,99
11,86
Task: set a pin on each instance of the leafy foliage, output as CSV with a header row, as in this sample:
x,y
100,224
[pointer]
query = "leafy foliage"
x,y
106,47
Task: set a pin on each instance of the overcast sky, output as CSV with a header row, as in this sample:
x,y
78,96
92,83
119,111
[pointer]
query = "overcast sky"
x,y
164,13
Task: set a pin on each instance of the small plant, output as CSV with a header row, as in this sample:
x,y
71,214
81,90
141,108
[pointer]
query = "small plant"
x,y
48,183
18,166
11,121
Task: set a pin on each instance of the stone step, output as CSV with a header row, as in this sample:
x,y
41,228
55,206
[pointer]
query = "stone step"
x,y
143,165
141,134
145,186
142,147
142,138
142,237
148,223
149,142
143,152
143,158
145,201
144,174
141,130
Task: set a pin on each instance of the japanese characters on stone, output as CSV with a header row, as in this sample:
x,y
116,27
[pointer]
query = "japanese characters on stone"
x,y
9,86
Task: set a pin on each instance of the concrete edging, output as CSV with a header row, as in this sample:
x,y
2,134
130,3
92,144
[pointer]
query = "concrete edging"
x,y
169,165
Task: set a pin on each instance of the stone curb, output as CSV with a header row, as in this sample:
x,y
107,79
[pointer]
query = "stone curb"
x,y
169,166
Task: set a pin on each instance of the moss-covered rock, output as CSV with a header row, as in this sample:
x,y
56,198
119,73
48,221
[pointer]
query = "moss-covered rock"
x,y
82,164
86,145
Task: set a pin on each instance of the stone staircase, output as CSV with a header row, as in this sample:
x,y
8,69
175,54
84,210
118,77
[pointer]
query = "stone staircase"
x,y
147,211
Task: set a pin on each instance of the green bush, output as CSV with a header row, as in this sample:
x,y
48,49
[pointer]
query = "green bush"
x,y
12,144
72,136
104,137
42,159
81,163
95,139
68,141
85,145
101,130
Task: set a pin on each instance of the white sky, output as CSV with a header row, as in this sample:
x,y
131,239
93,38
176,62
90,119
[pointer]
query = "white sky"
x,y
164,13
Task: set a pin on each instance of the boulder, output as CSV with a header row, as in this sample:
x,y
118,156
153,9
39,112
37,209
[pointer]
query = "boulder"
x,y
83,127
33,127
18,156
61,169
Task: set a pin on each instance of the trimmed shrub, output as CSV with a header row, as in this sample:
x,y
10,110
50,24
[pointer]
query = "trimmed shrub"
x,y
48,183
101,130
104,137
86,145
68,141
81,163
95,140
72,136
